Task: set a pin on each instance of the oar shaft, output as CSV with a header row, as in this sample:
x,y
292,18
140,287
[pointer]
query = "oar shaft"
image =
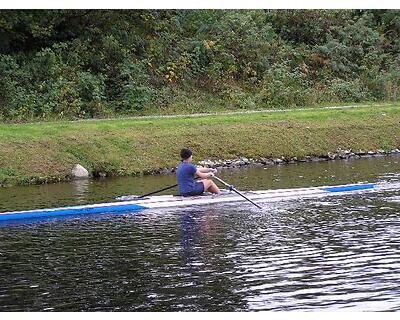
x,y
161,190
154,192
238,192
222,181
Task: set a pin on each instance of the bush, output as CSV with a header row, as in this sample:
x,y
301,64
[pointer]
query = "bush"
x,y
283,87
347,91
93,63
391,84
134,87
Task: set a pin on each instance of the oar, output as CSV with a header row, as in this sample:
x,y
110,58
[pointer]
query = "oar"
x,y
154,192
145,195
161,190
238,192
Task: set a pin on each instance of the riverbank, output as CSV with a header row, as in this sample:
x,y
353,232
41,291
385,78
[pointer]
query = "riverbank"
x,y
46,152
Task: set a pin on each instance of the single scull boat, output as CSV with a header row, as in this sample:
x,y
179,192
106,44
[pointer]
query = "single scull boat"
x,y
130,204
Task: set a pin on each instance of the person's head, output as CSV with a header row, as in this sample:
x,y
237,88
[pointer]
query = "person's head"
x,y
186,154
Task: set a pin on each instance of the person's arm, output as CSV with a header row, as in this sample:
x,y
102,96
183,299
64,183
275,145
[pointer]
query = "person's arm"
x,y
205,173
206,170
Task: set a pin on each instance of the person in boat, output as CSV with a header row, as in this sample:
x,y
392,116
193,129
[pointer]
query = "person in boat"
x,y
186,174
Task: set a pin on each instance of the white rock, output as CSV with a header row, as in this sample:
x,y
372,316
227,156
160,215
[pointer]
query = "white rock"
x,y
79,172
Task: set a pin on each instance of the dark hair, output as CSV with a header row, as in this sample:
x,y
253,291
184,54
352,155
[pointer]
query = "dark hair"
x,y
186,153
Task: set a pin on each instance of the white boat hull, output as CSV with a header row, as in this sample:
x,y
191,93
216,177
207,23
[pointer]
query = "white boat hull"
x,y
179,201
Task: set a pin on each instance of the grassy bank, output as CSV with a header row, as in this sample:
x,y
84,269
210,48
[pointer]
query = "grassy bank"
x,y
35,153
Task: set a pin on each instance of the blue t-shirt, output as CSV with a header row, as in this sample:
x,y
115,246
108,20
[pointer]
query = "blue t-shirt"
x,y
185,177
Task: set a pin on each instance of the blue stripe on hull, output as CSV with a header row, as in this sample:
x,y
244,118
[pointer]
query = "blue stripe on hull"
x,y
69,211
350,188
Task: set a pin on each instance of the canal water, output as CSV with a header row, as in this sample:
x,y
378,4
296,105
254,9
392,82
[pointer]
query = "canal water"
x,y
326,254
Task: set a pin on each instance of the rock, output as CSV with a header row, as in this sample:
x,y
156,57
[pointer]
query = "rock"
x,y
206,163
235,163
257,164
332,156
79,172
266,161
165,171
319,159
346,154
243,161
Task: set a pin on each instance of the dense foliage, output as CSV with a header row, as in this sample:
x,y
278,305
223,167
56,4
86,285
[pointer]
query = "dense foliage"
x,y
95,63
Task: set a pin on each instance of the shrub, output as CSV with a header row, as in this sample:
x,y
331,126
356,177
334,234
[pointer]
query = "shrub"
x,y
348,90
283,87
90,63
134,90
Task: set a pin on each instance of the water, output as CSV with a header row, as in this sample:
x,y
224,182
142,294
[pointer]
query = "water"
x,y
325,254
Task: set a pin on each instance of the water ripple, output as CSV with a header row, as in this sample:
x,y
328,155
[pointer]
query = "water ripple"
x,y
340,254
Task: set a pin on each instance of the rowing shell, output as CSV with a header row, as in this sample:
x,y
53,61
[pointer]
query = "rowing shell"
x,y
179,201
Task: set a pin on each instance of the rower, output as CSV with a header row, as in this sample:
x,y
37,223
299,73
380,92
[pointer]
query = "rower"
x,y
186,173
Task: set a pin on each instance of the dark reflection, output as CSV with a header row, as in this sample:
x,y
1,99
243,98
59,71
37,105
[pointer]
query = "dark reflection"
x,y
190,232
204,246
198,226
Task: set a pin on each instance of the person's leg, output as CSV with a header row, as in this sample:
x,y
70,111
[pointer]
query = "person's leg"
x,y
210,186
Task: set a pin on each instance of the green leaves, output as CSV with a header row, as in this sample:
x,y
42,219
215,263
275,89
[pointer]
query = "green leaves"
x,y
92,63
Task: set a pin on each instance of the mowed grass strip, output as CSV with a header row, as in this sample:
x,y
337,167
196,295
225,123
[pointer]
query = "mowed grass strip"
x,y
44,152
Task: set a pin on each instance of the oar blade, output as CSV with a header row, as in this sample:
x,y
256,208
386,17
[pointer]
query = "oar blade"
x,y
127,198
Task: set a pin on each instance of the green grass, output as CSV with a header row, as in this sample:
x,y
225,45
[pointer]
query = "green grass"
x,y
42,152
